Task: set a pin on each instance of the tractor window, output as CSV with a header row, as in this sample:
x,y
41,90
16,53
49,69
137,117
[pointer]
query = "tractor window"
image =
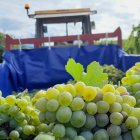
x,y
60,29
75,29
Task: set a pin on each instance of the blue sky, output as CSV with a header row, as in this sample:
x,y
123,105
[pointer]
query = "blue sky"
x,y
111,14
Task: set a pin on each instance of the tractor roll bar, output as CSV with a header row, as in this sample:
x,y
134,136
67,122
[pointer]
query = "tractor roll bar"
x,y
90,38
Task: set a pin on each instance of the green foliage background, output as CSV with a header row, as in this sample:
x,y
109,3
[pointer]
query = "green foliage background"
x,y
2,45
131,45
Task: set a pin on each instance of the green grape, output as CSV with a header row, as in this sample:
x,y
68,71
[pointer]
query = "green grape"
x,y
77,104
23,123
71,133
125,81
130,100
124,129
43,128
65,99
121,90
136,112
108,88
137,95
28,110
138,104
132,79
13,110
13,124
101,134
11,99
40,94
34,113
136,133
136,87
130,72
27,98
44,137
128,87
79,138
59,131
4,118
52,105
59,87
98,97
127,108
20,116
52,93
90,122
78,119
50,117
102,120
131,122
116,118
64,114
125,115
137,65
41,104
19,129
128,136
80,86
14,135
102,107
115,107
4,108
89,93
28,129
70,88
91,108
50,126
22,103
119,99
87,135
114,131
42,116
2,100
109,97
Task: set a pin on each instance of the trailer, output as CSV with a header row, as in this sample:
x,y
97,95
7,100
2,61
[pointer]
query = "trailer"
x,y
44,65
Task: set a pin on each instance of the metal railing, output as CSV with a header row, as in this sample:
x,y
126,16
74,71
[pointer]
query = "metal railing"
x,y
90,38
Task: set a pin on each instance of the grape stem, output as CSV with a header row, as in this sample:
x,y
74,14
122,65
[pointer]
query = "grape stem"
x,y
21,94
119,83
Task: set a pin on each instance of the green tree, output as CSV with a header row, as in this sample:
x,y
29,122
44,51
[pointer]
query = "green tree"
x,y
137,38
2,45
129,44
132,44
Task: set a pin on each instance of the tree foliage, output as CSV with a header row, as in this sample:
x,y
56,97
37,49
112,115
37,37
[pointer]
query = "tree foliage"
x,y
132,44
2,45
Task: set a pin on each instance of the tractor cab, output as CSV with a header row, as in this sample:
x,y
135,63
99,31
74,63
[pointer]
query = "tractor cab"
x,y
63,17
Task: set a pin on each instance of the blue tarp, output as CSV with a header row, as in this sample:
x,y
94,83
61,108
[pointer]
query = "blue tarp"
x,y
42,68
129,60
6,85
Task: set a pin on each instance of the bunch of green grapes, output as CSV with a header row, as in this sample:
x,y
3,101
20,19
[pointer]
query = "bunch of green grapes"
x,y
132,82
132,75
114,75
18,118
80,112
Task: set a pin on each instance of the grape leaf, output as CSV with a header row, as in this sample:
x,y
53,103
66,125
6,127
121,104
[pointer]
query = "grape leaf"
x,y
94,75
74,69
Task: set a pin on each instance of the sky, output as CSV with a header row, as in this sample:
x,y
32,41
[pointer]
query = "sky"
x,y
110,15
